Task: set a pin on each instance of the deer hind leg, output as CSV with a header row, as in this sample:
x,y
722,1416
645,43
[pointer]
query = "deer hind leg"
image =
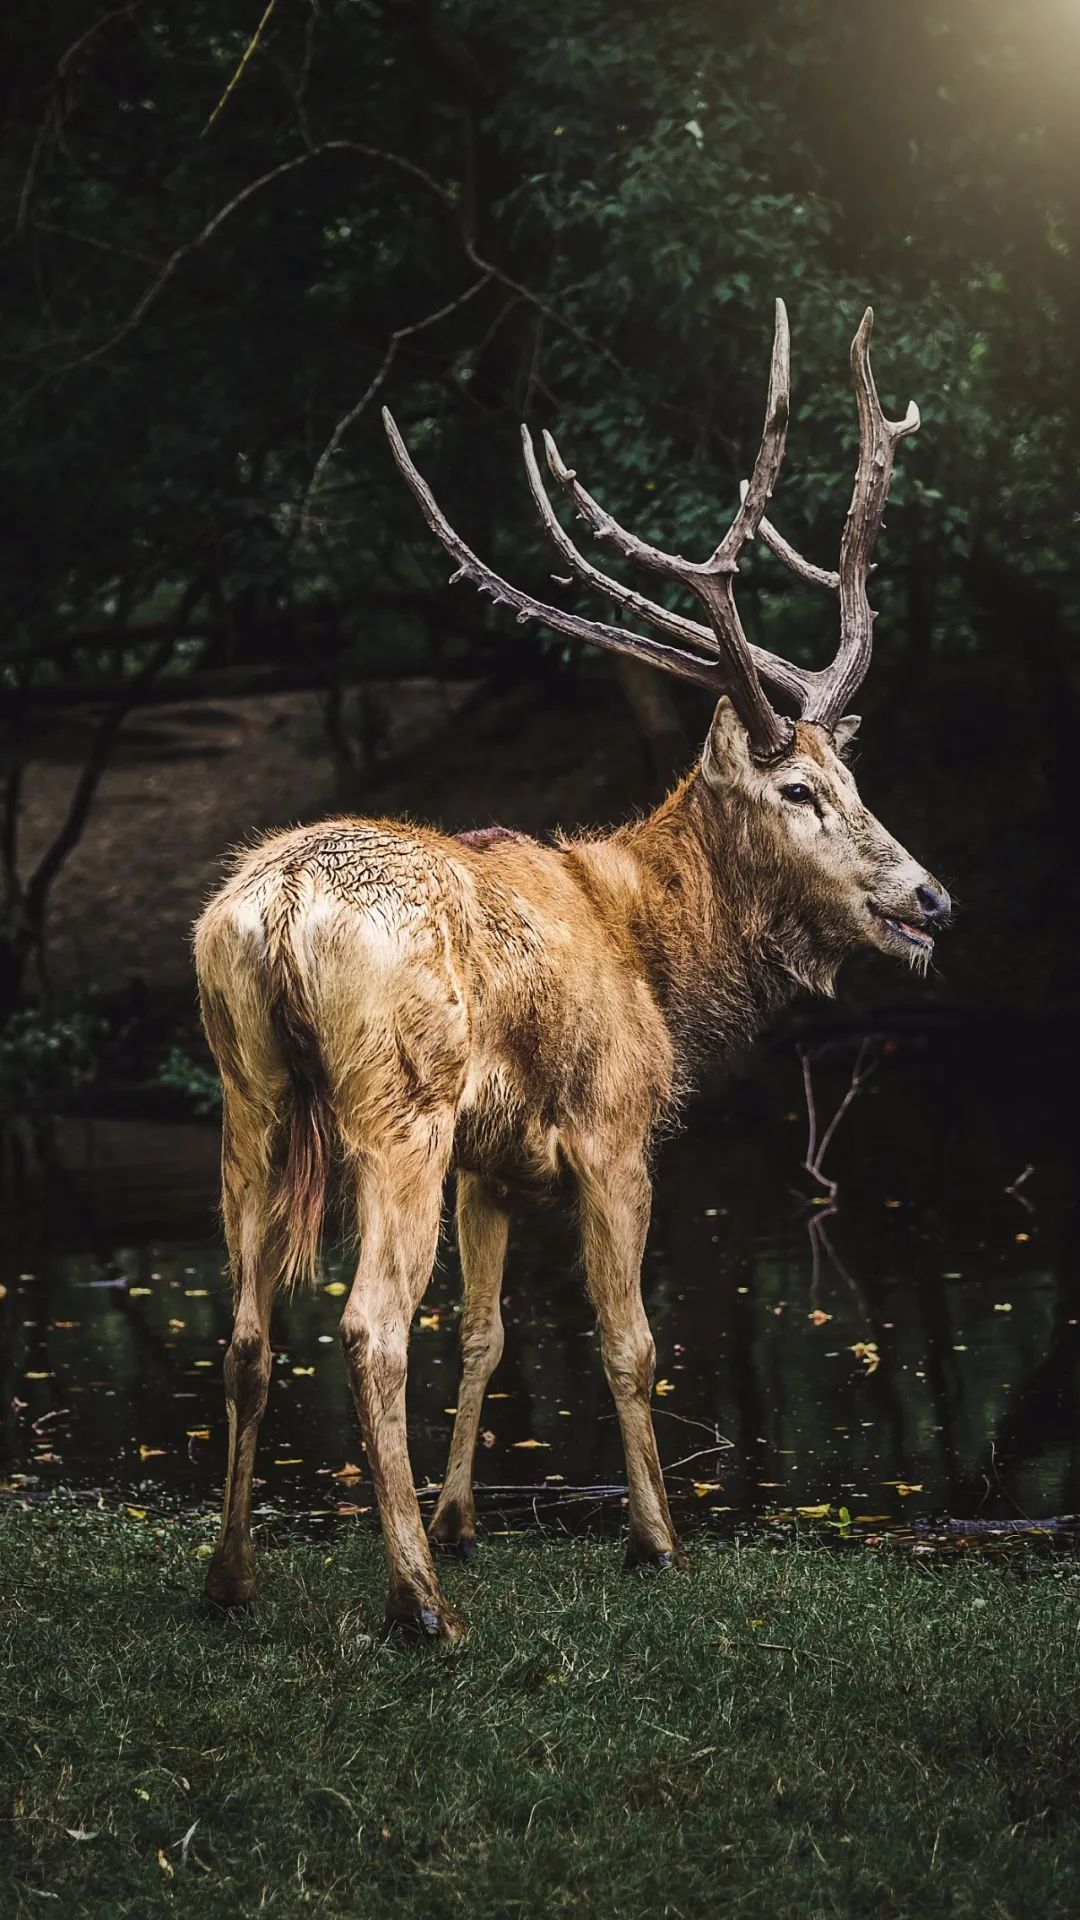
x,y
615,1199
483,1224
400,1200
230,1580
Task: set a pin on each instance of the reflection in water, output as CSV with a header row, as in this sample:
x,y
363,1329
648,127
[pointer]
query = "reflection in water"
x,y
925,1361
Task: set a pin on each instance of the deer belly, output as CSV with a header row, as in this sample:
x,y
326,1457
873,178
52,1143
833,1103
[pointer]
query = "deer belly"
x,y
500,1133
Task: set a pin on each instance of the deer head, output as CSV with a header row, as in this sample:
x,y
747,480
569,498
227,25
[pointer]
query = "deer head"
x,y
853,883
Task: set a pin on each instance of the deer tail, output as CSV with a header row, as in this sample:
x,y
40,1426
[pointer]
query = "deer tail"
x,y
308,1129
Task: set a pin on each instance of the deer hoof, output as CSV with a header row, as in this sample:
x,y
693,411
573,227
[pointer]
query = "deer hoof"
x,y
226,1588
641,1557
424,1621
463,1545
449,1532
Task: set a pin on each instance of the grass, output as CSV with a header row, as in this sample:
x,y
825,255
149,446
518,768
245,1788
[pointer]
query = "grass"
x,y
777,1732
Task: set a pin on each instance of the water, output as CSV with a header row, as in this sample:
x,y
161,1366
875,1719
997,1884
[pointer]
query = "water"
x,y
920,1361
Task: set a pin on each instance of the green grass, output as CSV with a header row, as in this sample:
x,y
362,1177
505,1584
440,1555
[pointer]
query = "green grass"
x,y
777,1732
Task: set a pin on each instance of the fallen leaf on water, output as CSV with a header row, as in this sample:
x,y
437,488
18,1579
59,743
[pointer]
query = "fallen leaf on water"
x,y
138,1293
204,1363
37,1376
665,1386
702,1487
291,1461
429,1321
500,1396
335,1288
198,1433
870,1519
150,1453
137,1513
866,1351
1021,1236
303,1369
347,1507
487,1438
177,1326
1000,1306
819,1318
197,1293
350,1471
449,1409
521,1444
61,1326
815,1513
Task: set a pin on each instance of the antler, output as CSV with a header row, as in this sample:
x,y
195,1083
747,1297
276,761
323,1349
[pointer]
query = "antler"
x,y
717,656
879,438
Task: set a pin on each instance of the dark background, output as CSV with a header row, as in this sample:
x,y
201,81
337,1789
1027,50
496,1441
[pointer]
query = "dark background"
x,y
222,609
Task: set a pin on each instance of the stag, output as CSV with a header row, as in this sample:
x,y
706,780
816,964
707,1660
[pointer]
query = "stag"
x,y
388,1004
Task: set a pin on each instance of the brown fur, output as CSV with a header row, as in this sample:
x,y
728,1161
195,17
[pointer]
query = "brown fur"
x,y
396,1003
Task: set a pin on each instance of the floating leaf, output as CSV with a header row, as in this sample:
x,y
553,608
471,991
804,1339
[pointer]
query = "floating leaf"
x,y
702,1487
197,1293
522,1444
350,1471
429,1322
303,1370
665,1386
818,1318
866,1351
487,1438
198,1433
291,1461
177,1326
1000,1306
137,1513
37,1376
815,1513
150,1453
335,1288
139,1293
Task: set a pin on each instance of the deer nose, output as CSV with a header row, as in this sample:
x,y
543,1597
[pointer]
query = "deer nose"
x,y
935,903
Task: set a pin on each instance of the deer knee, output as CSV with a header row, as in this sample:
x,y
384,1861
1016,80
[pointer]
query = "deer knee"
x,y
629,1356
247,1367
376,1348
482,1343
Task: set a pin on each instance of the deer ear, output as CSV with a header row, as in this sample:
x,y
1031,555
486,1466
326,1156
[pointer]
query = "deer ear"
x,y
727,749
845,730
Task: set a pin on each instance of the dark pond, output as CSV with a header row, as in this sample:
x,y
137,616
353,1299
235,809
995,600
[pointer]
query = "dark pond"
x,y
927,1365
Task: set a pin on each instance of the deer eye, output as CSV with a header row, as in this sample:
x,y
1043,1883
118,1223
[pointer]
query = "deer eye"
x,y
798,794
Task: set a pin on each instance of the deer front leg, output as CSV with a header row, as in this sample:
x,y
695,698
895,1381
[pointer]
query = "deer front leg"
x,y
400,1203
483,1225
616,1197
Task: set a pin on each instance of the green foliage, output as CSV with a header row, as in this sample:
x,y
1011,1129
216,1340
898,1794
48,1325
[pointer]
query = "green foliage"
x,y
198,1083
774,1734
47,1060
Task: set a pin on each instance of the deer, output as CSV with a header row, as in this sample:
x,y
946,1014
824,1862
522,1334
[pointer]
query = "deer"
x,y
388,1004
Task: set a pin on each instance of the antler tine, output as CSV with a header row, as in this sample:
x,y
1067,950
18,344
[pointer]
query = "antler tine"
x,y
754,498
790,679
803,569
623,596
878,441
704,673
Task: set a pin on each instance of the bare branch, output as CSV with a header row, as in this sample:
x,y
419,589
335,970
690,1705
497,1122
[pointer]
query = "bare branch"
x,y
238,75
349,419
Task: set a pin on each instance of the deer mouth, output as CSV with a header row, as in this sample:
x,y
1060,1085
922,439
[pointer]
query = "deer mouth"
x,y
903,930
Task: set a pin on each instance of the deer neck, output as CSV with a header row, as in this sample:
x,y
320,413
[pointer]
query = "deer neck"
x,y
718,924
